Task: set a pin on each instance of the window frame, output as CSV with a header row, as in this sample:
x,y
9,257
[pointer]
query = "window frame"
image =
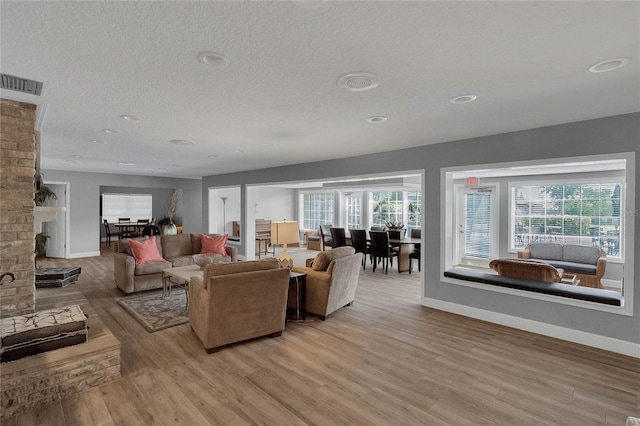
x,y
133,215
303,210
520,170
582,181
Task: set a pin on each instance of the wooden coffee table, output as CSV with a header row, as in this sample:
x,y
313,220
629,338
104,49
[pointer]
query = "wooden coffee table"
x,y
179,276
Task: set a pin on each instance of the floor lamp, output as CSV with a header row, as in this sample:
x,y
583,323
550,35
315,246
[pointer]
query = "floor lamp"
x,y
224,214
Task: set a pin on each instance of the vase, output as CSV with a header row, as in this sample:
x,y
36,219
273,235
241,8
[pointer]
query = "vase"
x,y
169,229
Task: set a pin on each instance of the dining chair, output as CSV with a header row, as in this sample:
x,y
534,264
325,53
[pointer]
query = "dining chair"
x,y
125,232
325,234
110,233
378,228
380,250
150,230
415,233
338,236
360,244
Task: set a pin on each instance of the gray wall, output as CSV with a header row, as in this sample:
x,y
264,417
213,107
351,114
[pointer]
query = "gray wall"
x,y
84,209
600,136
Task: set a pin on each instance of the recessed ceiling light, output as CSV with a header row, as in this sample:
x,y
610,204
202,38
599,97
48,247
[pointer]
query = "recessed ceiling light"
x,y
126,164
267,144
111,131
238,151
609,65
77,156
131,117
70,161
463,99
214,156
377,119
214,59
181,142
99,142
359,82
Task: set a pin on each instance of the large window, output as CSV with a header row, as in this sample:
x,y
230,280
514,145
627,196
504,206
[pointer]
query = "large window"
x,y
387,207
133,206
414,209
585,213
317,209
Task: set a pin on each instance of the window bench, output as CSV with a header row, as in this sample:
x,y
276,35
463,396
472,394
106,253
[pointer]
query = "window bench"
x,y
590,294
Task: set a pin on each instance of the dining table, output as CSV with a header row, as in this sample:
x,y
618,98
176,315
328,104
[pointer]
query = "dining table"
x,y
405,248
128,229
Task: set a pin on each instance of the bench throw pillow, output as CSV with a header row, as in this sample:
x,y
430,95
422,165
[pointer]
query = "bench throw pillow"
x,y
145,251
215,245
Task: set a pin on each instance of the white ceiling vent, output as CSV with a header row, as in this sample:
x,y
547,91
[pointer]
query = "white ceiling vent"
x,y
19,84
359,82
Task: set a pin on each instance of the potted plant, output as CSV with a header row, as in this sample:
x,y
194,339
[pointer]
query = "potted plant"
x,y
40,197
395,226
170,227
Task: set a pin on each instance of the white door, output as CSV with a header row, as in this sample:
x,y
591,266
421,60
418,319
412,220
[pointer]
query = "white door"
x,y
477,226
57,229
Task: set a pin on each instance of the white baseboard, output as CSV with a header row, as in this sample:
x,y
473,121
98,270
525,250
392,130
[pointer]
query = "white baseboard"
x,y
601,342
86,254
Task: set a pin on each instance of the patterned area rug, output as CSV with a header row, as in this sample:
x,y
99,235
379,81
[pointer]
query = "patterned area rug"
x,y
155,313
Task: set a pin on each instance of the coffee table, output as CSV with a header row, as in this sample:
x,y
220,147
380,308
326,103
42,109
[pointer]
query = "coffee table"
x,y
179,276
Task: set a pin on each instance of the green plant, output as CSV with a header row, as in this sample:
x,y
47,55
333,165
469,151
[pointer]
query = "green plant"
x,y
43,194
41,244
394,225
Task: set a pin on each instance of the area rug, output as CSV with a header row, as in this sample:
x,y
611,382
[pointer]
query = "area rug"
x,y
155,313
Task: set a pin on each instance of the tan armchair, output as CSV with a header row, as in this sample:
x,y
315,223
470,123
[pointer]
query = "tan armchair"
x,y
238,301
332,280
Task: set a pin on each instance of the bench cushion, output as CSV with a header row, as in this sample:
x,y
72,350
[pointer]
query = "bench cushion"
x,y
597,295
42,331
580,254
580,268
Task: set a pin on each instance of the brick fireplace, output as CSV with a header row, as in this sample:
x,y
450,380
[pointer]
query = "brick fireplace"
x,y
41,379
17,170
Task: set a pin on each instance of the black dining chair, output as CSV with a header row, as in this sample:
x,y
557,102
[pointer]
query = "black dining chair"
x,y
380,250
415,233
378,228
338,236
110,233
150,230
360,244
325,234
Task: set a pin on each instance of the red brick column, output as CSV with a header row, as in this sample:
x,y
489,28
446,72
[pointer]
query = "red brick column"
x,y
17,238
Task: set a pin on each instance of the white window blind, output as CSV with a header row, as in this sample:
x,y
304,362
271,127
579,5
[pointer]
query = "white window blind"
x,y
133,206
478,225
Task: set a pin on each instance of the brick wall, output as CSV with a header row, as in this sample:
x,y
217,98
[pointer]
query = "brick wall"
x,y
17,239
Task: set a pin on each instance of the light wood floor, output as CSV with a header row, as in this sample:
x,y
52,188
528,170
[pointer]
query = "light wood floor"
x,y
386,360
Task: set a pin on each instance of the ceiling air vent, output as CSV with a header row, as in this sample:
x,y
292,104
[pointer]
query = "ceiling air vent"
x,y
19,84
359,82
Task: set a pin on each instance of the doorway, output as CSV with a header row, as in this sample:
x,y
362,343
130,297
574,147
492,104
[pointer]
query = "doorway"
x,y
57,228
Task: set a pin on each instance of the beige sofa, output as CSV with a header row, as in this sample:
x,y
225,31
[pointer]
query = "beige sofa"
x,y
332,280
587,263
238,301
177,250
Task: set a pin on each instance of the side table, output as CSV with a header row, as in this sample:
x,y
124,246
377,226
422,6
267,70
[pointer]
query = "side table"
x,y
298,286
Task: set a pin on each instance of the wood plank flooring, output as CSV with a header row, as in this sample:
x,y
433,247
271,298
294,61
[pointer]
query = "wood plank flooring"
x,y
386,360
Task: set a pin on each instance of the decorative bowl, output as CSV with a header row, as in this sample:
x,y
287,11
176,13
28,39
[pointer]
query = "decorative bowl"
x,y
203,259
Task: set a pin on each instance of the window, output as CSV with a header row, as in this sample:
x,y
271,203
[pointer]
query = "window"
x,y
578,200
133,206
353,207
584,213
414,208
317,209
387,207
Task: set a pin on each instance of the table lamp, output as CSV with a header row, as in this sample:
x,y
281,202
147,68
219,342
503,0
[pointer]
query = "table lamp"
x,y
285,232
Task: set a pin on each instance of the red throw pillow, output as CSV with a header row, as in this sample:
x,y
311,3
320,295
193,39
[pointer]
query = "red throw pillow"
x,y
145,251
214,244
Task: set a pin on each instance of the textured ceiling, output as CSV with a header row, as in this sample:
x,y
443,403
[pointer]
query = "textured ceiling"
x,y
278,102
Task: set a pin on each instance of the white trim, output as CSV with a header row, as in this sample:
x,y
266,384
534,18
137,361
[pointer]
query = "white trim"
x,y
85,254
594,340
